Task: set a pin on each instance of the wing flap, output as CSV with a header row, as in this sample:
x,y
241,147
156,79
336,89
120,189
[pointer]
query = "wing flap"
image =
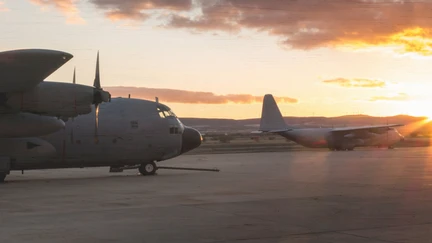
x,y
21,70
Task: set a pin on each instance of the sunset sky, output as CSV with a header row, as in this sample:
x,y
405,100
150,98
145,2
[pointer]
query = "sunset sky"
x,y
217,58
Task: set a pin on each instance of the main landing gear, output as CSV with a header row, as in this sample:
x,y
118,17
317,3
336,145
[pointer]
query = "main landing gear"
x,y
341,149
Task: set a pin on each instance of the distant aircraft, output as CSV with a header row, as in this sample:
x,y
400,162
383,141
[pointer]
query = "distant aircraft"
x,y
343,138
94,130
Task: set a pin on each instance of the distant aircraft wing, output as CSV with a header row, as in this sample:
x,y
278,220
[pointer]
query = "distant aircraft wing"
x,y
272,131
372,129
21,70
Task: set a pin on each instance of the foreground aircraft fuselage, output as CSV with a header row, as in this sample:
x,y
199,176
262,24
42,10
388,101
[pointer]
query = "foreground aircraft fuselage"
x,y
324,138
129,132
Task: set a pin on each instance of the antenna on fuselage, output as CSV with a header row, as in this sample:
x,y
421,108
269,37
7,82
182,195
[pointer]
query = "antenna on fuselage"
x,y
157,99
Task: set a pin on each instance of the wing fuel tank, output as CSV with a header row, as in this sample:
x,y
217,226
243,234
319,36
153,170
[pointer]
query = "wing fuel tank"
x,y
28,125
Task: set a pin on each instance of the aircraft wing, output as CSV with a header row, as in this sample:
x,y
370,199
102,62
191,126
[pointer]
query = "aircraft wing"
x,y
22,70
272,131
372,129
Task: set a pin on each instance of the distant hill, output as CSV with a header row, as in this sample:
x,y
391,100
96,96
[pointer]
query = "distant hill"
x,y
245,125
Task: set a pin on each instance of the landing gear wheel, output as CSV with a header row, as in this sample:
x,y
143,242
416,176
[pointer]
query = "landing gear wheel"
x,y
149,168
2,177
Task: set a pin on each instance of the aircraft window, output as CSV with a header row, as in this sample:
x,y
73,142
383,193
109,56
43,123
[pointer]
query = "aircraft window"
x,y
162,113
174,130
171,113
134,124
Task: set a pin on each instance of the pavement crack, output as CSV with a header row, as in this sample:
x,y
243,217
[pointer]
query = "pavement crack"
x,y
366,237
226,213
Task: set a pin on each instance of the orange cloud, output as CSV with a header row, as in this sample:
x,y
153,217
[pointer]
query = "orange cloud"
x,y
398,97
403,26
189,97
3,8
356,83
67,7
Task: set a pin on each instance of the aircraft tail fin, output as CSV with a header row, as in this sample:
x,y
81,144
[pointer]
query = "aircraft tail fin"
x,y
271,117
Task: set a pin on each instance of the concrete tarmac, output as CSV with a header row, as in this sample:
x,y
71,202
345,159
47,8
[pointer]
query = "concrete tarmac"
x,y
367,195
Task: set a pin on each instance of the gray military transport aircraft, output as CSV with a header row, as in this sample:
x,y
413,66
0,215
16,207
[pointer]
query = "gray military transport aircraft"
x,y
49,125
342,138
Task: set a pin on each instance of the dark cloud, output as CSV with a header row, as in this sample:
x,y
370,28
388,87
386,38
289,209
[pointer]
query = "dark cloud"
x,y
398,97
356,83
139,9
189,97
403,25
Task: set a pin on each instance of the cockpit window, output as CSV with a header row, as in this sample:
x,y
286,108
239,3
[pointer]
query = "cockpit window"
x,y
164,111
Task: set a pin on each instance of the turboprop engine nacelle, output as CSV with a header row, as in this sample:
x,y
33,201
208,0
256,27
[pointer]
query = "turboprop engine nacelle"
x,y
58,99
28,125
26,147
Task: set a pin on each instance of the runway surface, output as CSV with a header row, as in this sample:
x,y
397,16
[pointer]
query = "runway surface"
x,y
303,196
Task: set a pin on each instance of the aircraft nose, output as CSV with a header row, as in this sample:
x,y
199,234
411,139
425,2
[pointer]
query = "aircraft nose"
x,y
191,139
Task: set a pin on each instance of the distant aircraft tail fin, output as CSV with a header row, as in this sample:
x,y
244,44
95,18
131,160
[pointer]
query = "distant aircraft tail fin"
x,y
271,117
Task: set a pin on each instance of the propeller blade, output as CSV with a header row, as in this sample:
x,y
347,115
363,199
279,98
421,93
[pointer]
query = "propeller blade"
x,y
74,82
96,138
96,82
99,94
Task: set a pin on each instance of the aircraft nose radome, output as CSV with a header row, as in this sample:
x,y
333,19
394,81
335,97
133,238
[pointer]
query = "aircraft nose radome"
x,y
191,139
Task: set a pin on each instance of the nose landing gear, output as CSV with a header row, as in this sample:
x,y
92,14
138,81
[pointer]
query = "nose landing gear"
x,y
342,149
148,168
